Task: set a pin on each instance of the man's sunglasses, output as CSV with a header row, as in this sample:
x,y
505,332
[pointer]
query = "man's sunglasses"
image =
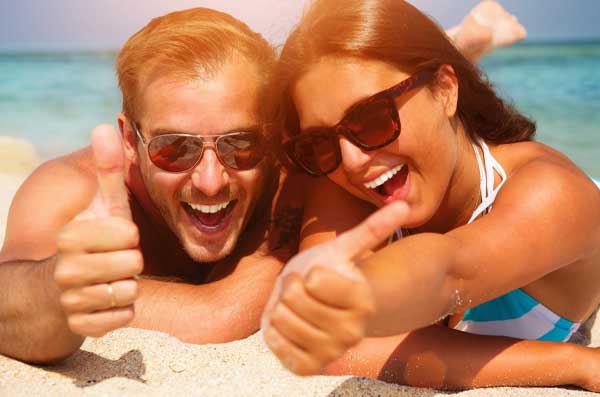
x,y
182,152
369,124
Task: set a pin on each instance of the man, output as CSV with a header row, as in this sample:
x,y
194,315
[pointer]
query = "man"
x,y
84,226
182,200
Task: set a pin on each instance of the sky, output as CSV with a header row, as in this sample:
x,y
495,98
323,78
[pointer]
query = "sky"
x,y
106,24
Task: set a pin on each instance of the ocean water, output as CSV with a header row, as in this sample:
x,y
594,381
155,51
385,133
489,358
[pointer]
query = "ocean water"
x,y
54,100
557,85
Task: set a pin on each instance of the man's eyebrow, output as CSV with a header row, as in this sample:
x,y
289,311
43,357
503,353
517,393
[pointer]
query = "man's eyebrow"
x,y
165,131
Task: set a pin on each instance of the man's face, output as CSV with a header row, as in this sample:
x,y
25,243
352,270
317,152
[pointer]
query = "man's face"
x,y
208,206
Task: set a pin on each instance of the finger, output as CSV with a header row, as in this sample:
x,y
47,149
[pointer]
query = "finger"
x,y
335,289
83,270
342,324
98,235
295,297
99,323
373,231
110,169
97,297
304,335
291,356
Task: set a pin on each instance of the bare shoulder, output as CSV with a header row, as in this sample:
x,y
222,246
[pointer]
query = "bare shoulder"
x,y
70,178
544,168
49,198
515,157
543,180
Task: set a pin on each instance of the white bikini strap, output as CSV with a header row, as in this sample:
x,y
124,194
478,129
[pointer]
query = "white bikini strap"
x,y
487,167
398,235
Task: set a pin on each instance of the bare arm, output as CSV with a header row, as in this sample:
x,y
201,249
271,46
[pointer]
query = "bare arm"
x,y
61,214
442,358
435,275
33,326
218,312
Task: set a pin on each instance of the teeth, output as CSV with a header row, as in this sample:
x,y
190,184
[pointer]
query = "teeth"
x,y
209,209
380,180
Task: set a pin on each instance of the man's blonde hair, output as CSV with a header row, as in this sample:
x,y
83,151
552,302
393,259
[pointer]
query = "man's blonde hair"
x,y
188,44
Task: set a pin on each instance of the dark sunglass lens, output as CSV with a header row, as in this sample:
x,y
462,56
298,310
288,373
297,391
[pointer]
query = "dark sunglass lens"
x,y
174,153
374,123
315,152
241,151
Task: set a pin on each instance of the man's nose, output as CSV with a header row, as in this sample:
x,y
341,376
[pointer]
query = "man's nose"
x,y
210,176
354,159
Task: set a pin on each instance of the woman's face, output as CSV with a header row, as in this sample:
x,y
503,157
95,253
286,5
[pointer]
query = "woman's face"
x,y
417,167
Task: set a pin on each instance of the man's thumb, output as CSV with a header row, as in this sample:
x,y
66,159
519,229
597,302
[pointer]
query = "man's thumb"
x,y
110,169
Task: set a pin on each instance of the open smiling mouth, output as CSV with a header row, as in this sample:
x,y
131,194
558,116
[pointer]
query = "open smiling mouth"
x,y
391,184
210,218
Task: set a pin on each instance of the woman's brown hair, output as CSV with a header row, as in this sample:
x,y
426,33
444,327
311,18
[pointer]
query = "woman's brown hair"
x,y
395,32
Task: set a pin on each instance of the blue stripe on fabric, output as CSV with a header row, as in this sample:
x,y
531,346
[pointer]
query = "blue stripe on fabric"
x,y
513,305
560,332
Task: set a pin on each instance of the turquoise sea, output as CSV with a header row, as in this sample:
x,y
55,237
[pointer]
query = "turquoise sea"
x,y
54,99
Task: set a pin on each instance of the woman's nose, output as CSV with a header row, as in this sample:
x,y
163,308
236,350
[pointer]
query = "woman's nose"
x,y
354,159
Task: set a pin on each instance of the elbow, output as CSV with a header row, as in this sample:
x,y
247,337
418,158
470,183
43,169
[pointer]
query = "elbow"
x,y
47,359
50,349
43,356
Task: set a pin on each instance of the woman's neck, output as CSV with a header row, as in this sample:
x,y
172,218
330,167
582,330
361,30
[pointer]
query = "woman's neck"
x,y
463,194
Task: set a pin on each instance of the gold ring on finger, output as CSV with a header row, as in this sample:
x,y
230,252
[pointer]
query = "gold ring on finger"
x,y
111,295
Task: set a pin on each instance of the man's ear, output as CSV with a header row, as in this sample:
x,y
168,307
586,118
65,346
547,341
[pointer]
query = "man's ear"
x,y
130,139
446,89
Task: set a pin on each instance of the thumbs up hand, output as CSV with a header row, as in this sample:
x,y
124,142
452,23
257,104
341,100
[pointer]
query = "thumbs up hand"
x,y
321,303
97,252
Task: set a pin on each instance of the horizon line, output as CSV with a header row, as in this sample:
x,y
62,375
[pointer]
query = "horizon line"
x,y
110,51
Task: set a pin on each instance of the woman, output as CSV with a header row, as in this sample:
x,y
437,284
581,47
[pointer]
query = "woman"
x,y
374,96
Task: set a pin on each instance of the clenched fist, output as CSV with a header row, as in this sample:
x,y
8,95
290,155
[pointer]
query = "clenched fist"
x,y
98,257
321,304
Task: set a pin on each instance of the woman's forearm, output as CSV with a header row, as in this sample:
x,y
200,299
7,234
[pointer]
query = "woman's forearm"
x,y
414,283
438,357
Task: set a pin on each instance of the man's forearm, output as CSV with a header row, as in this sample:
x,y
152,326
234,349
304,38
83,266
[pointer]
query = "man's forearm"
x,y
217,312
194,313
33,327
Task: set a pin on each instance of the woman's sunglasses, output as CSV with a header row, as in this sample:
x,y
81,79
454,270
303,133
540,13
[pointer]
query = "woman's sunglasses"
x,y
182,152
369,124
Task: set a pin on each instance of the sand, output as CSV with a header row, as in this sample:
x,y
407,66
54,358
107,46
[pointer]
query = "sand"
x,y
139,362
136,362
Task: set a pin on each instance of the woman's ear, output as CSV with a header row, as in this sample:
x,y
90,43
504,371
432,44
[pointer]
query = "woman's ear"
x,y
446,89
130,139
